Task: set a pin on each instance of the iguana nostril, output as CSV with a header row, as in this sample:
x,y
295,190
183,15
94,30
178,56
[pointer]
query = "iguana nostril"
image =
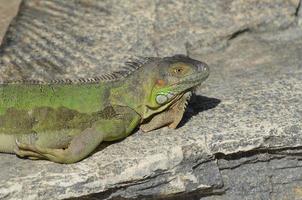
x,y
202,67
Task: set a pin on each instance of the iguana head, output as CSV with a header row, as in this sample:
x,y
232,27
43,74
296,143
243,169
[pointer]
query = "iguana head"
x,y
174,76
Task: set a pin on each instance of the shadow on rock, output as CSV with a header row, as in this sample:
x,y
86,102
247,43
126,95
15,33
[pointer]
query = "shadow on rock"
x,y
198,104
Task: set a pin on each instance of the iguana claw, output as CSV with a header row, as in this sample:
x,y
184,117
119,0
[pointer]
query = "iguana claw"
x,y
22,151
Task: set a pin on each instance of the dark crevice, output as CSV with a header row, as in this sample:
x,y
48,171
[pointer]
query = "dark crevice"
x,y
238,33
201,163
238,155
252,161
273,154
298,8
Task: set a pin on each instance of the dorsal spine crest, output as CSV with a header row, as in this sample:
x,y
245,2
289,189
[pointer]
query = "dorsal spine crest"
x,y
129,68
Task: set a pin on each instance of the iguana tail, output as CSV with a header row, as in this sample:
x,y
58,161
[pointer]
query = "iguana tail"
x,y
7,143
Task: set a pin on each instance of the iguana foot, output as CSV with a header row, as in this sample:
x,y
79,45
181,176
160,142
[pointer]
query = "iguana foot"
x,y
36,152
170,117
26,153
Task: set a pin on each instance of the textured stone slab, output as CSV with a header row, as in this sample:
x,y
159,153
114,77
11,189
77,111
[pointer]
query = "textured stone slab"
x,y
56,39
241,136
8,10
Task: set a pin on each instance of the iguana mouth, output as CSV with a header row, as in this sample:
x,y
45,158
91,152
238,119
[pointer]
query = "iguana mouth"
x,y
189,82
187,85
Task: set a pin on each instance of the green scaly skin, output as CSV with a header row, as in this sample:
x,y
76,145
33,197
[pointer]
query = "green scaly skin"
x,y
64,122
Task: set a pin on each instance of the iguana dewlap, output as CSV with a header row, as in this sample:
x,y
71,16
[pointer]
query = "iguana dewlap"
x,y
64,121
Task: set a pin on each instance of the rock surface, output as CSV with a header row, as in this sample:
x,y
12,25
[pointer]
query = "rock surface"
x,y
241,136
8,10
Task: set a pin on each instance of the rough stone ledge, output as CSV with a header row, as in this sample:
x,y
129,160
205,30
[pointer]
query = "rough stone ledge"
x,y
241,136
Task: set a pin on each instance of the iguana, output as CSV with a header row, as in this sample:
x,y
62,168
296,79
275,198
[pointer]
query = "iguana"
x,y
64,121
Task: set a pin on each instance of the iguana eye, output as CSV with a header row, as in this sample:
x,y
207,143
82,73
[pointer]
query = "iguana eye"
x,y
178,70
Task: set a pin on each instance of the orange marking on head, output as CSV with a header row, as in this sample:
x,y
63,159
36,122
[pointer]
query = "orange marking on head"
x,y
160,82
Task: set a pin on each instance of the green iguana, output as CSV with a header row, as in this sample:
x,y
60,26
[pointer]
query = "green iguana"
x,y
64,121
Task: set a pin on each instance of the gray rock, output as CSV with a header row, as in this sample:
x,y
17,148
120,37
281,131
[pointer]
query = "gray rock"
x,y
299,14
8,11
241,135
55,39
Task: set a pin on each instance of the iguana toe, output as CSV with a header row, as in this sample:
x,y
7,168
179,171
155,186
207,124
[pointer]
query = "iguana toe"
x,y
22,151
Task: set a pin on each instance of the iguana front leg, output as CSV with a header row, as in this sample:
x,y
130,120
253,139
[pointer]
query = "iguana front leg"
x,y
170,117
116,126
